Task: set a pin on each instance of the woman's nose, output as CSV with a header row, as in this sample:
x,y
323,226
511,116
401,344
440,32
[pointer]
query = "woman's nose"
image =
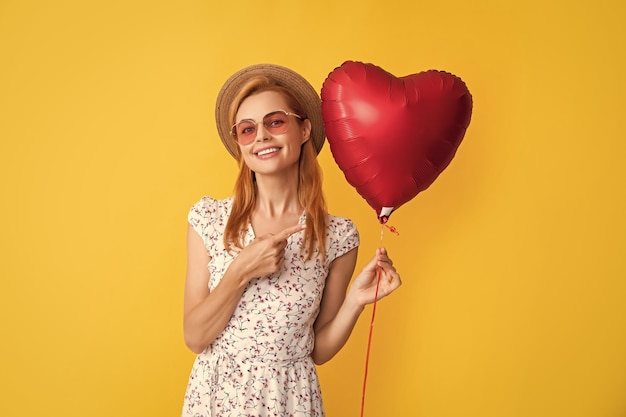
x,y
262,133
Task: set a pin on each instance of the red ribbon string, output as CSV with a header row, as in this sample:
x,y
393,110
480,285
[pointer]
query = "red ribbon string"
x,y
369,346
393,230
369,339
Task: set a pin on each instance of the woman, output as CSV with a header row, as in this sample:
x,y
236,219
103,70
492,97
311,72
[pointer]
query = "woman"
x,y
273,301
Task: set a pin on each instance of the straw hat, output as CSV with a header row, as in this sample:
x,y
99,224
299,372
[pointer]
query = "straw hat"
x,y
300,87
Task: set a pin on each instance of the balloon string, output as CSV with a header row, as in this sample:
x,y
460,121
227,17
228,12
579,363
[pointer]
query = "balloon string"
x,y
369,339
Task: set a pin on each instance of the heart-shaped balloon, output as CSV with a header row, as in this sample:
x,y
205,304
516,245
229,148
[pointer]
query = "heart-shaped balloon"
x,y
393,136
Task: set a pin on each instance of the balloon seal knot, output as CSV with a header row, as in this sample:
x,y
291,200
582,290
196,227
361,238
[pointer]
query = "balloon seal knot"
x,y
385,212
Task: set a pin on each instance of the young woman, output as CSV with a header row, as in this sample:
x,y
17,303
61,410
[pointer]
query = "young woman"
x,y
266,293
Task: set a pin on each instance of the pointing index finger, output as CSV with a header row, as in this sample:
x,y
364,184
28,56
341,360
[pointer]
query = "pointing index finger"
x,y
285,233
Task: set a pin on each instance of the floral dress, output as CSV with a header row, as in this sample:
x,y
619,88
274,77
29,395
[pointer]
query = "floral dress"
x,y
260,365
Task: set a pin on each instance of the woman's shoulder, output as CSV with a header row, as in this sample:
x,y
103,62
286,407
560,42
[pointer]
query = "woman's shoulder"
x,y
210,203
209,207
342,236
341,226
340,221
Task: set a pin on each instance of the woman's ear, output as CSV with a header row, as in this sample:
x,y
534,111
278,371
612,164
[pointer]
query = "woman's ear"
x,y
306,130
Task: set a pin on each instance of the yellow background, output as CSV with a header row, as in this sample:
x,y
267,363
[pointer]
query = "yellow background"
x,y
513,260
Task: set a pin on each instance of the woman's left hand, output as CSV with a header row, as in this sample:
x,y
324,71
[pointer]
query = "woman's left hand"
x,y
363,287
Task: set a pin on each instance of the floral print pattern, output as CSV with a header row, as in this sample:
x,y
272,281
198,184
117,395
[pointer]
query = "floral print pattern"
x,y
261,365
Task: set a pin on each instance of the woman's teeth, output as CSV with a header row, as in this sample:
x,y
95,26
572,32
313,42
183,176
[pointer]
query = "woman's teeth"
x,y
268,151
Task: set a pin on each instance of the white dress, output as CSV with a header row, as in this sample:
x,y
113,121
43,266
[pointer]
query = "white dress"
x,y
261,365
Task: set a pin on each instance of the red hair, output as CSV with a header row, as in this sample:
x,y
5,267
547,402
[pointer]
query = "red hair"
x,y
310,194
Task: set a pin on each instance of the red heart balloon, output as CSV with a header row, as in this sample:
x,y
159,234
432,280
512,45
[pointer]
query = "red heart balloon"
x,y
393,136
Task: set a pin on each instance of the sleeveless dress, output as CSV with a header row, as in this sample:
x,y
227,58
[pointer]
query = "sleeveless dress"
x,y
260,365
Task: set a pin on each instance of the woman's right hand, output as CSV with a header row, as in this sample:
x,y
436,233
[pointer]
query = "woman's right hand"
x,y
265,254
207,312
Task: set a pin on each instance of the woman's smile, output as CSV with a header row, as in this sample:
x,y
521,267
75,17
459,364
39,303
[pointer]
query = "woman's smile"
x,y
267,152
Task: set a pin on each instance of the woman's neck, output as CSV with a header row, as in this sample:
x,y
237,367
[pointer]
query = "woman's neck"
x,y
277,195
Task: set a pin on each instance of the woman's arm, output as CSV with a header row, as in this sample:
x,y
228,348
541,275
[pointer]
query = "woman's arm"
x,y
339,310
206,313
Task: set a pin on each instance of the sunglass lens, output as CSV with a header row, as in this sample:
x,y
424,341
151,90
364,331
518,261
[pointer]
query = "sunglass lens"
x,y
276,122
246,131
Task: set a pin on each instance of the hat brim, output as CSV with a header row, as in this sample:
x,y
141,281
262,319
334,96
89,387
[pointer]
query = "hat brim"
x,y
298,85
